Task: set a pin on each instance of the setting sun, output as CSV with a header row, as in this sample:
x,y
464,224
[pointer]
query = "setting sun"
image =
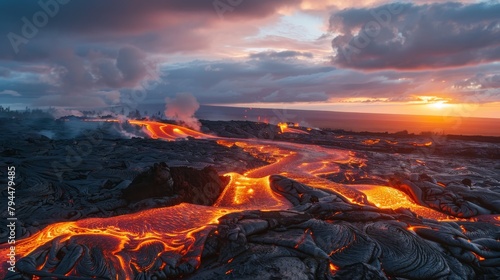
x,y
439,105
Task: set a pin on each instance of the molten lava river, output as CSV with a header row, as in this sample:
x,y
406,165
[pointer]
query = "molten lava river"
x,y
169,242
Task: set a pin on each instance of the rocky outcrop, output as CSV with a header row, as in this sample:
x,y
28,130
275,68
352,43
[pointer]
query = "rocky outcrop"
x,y
455,199
155,182
190,185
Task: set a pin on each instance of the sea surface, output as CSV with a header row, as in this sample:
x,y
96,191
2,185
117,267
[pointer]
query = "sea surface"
x,y
352,121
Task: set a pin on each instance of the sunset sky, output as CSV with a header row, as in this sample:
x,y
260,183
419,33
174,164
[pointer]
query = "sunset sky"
x,y
412,57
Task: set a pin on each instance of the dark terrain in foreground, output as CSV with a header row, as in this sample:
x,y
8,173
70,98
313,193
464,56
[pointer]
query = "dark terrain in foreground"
x,y
322,235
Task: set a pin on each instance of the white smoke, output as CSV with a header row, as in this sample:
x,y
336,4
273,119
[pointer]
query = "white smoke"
x,y
182,109
121,118
58,112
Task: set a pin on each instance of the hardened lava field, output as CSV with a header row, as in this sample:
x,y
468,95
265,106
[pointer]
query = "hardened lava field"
x,y
194,205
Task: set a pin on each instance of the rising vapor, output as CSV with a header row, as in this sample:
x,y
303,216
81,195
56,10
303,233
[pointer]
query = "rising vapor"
x,y
182,109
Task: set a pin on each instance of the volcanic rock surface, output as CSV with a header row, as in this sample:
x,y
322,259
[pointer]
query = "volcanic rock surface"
x,y
311,205
190,185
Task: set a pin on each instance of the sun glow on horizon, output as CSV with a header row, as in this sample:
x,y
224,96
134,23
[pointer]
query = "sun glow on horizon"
x,y
440,105
442,108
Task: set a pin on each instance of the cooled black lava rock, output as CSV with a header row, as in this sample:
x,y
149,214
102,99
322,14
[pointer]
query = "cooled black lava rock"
x,y
455,199
467,182
201,187
195,186
155,182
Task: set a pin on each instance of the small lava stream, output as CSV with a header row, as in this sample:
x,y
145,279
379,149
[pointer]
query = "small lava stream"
x,y
170,132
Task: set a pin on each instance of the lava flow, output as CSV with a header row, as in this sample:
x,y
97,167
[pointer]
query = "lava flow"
x,y
308,165
167,131
285,128
244,193
126,241
179,229
387,197
142,241
159,130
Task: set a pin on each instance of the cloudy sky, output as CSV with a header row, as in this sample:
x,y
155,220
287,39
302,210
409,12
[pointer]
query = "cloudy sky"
x,y
418,57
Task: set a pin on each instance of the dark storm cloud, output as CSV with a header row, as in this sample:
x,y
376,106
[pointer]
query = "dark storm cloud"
x,y
92,47
4,72
271,80
174,24
28,91
92,51
408,36
96,15
79,74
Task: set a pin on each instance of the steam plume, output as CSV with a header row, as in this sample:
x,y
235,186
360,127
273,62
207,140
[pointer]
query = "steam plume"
x,y
182,109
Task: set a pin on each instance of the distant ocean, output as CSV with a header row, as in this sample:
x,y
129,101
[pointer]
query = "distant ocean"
x,y
353,121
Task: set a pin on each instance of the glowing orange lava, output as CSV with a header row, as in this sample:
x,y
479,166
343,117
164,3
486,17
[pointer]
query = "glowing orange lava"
x,y
284,128
159,130
426,144
168,131
307,163
370,142
304,163
391,142
387,197
333,268
177,229
246,193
